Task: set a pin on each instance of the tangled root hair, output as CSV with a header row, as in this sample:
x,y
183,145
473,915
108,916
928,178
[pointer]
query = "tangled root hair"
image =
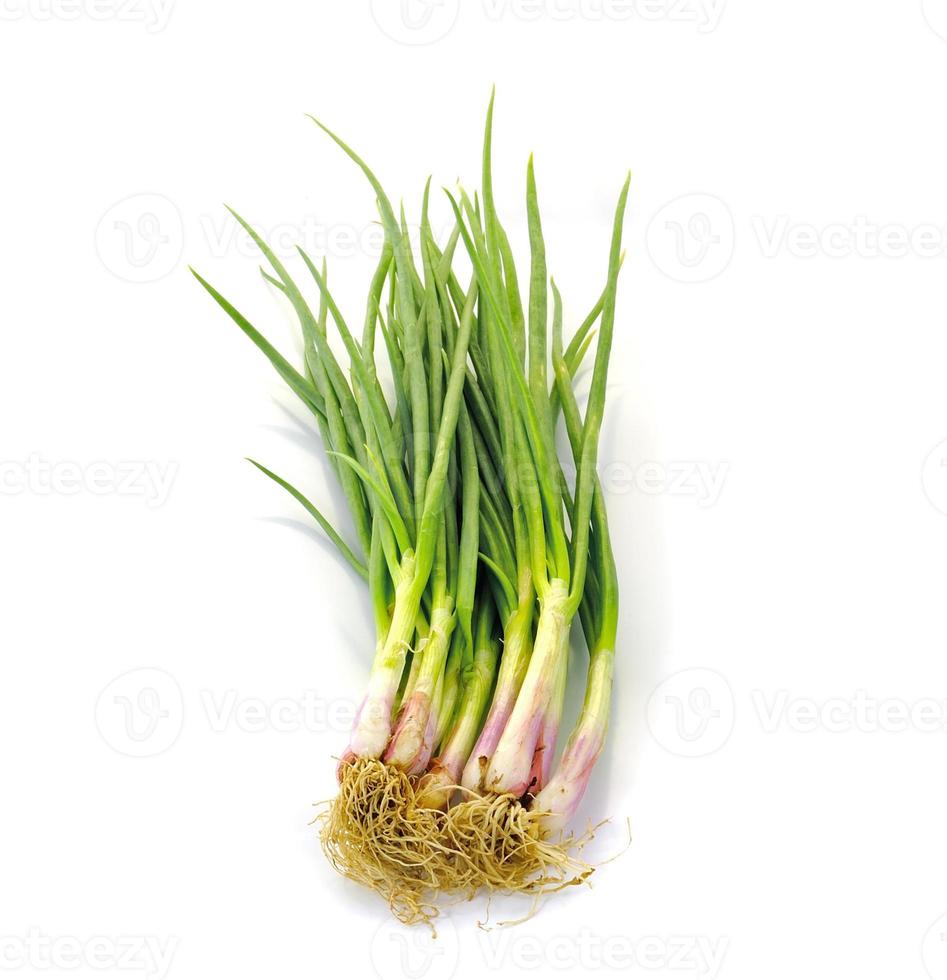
x,y
379,832
376,832
499,845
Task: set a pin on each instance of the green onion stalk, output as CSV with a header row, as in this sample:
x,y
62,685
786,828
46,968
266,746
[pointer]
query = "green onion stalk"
x,y
479,673
566,365
560,574
476,552
558,567
418,544
556,554
491,399
426,712
559,797
421,565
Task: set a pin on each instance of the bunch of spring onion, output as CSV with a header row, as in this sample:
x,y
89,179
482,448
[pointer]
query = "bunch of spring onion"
x,y
477,552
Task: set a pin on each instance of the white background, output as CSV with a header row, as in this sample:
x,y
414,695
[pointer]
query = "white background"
x,y
181,651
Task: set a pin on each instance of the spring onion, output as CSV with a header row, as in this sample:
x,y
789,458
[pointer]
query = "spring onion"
x,y
477,552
